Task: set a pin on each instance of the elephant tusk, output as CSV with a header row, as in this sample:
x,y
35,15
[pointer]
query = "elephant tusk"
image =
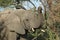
x,y
33,29
42,30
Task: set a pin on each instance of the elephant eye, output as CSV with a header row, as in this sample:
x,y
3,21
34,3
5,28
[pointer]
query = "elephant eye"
x,y
27,20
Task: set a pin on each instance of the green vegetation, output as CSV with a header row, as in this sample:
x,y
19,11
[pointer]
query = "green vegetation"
x,y
51,30
5,3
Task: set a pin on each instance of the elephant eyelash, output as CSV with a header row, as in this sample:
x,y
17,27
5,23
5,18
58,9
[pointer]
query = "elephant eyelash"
x,y
27,20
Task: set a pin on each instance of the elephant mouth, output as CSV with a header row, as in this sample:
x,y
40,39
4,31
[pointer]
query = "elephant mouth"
x,y
27,26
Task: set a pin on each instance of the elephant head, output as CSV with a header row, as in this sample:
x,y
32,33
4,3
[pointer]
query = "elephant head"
x,y
30,19
33,19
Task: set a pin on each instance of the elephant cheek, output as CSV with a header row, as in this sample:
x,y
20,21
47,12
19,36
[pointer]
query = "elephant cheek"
x,y
35,23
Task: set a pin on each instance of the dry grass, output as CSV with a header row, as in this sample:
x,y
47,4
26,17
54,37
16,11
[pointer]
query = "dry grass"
x,y
54,16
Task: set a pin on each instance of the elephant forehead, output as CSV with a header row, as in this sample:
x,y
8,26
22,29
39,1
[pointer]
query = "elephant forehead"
x,y
28,15
14,23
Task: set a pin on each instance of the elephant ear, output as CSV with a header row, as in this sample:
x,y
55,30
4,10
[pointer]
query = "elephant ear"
x,y
13,23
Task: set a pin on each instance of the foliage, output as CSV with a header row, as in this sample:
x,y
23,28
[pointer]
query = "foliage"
x,y
5,3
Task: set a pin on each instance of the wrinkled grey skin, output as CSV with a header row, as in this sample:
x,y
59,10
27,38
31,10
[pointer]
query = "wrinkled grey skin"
x,y
19,20
30,19
13,25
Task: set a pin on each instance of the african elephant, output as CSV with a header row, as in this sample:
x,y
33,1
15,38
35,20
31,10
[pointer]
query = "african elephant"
x,y
19,20
30,19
